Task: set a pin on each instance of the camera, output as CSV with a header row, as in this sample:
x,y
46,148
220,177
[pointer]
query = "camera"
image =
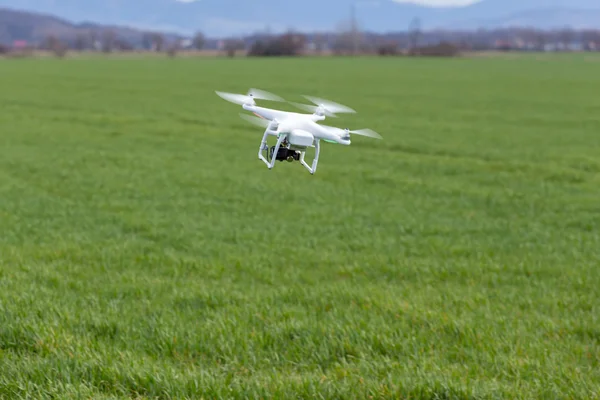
x,y
285,154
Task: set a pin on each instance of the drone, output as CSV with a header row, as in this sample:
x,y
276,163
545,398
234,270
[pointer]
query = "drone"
x,y
295,132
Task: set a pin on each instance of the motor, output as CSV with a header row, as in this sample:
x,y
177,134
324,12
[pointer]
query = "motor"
x,y
285,154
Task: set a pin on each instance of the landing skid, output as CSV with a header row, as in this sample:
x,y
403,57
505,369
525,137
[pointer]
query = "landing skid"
x,y
264,147
313,168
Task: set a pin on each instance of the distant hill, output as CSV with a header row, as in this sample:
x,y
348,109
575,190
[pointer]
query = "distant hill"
x,y
35,28
548,18
232,17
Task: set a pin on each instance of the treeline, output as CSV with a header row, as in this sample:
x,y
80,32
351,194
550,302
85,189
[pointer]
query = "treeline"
x,y
505,39
352,41
107,42
348,41
296,45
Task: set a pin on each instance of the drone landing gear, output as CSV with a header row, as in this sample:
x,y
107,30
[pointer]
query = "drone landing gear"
x,y
313,168
282,151
264,147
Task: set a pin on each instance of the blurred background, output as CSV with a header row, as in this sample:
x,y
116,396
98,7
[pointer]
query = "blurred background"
x,y
282,28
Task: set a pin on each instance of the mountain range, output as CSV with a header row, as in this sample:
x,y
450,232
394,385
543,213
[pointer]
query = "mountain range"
x,y
220,18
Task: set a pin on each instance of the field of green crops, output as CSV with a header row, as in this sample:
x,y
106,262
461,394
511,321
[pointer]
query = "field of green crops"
x,y
146,252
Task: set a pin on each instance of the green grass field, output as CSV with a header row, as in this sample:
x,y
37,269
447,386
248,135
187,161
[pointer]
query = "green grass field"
x,y
146,252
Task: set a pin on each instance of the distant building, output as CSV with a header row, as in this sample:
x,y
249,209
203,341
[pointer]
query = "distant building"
x,y
20,44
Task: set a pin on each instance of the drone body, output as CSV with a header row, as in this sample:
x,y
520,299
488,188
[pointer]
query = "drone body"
x,y
295,132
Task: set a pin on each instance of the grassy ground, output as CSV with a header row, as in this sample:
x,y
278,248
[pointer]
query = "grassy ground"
x,y
146,252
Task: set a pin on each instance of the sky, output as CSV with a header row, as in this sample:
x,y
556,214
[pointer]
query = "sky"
x,y
440,3
224,26
431,3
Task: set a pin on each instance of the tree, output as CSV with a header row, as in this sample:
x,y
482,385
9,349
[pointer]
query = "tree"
x,y
347,40
108,41
566,37
388,48
199,41
56,46
123,45
173,48
320,43
158,42
528,36
147,41
354,31
289,44
80,42
590,39
93,38
540,40
414,35
232,46
442,49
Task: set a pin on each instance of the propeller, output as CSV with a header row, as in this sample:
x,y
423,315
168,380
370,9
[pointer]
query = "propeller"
x,y
249,97
324,107
261,122
365,132
347,132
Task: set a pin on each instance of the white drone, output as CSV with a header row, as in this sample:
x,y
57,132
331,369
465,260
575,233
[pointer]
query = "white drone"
x,y
295,132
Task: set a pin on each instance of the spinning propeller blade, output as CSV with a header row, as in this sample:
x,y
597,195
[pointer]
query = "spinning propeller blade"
x,y
324,107
263,123
313,109
330,106
249,97
235,98
264,95
366,132
361,132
